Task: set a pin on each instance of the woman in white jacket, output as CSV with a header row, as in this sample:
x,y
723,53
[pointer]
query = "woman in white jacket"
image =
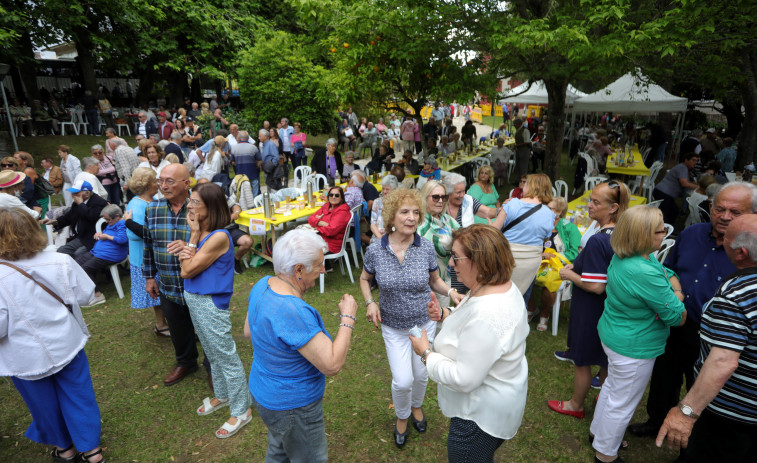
x,y
42,338
479,355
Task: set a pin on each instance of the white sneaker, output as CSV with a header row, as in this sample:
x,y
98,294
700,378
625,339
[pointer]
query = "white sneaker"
x,y
97,300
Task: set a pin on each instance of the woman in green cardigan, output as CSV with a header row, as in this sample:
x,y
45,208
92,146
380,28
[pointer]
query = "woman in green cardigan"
x,y
644,300
565,240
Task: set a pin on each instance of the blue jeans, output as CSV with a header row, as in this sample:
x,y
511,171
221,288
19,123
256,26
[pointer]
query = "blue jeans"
x,y
297,435
659,153
255,186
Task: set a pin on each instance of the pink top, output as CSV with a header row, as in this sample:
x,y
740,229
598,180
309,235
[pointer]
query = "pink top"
x,y
381,127
417,132
298,137
407,130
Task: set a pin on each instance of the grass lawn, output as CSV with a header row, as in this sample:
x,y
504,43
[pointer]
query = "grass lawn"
x,y
143,421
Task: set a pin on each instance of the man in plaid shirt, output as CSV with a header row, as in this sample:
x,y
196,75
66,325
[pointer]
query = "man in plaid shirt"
x,y
166,235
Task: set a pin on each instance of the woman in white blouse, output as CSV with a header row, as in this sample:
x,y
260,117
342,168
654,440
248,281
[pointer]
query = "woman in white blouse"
x,y
479,355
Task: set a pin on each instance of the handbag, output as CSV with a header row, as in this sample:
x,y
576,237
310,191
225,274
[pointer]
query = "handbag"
x,y
47,290
548,274
523,217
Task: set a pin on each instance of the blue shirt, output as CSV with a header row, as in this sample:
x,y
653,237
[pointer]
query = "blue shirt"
x,y
216,280
404,292
729,321
535,230
280,377
701,265
245,156
114,250
138,206
270,152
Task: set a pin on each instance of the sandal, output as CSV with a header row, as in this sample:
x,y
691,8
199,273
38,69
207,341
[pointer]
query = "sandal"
x,y
207,408
542,326
532,315
56,454
164,332
232,429
86,458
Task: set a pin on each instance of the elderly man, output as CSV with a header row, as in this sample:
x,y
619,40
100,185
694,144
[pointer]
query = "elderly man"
x,y
90,168
192,136
370,193
110,135
194,110
70,167
174,146
409,163
702,265
269,157
145,126
81,217
165,127
285,132
111,247
233,137
52,174
500,158
244,158
107,175
346,135
370,135
710,141
167,232
725,391
218,123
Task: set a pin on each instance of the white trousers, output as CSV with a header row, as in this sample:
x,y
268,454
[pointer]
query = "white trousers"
x,y
409,374
67,198
621,393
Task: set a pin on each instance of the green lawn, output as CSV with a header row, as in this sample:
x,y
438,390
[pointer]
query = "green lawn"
x,y
143,421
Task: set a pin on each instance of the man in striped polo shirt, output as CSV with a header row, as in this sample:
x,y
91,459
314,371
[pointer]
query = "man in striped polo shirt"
x,y
725,391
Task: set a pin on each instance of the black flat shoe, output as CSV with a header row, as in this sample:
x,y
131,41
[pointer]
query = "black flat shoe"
x,y
419,426
58,458
400,438
616,460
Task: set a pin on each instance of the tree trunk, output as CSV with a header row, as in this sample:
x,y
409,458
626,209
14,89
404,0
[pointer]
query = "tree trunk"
x,y
177,81
556,89
196,92
146,81
85,59
732,112
28,70
748,135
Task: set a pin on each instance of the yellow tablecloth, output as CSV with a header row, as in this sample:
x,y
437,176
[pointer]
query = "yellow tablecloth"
x,y
481,150
638,167
579,214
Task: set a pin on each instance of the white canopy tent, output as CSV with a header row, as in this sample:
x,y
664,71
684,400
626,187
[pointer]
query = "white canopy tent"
x,y
635,94
537,94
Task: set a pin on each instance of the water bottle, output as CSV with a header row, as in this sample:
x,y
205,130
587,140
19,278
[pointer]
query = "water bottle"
x,y
267,205
383,170
309,195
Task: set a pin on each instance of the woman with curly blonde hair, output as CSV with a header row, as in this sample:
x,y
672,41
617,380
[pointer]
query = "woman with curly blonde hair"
x,y
405,269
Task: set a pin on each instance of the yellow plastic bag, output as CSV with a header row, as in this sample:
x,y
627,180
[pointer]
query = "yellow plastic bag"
x,y
548,274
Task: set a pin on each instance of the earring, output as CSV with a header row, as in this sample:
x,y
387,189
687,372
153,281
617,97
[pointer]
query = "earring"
x,y
393,229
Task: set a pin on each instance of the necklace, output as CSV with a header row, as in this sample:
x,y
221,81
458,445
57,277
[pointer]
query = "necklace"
x,y
298,293
468,297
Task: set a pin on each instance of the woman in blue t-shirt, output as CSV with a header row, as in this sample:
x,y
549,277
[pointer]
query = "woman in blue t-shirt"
x,y
293,350
207,266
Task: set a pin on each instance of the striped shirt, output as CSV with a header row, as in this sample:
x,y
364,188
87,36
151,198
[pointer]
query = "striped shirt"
x,y
163,227
729,321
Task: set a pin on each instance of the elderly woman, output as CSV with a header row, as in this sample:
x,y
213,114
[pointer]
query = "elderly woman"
x,y
437,227
464,207
111,247
207,266
349,164
18,163
331,219
299,142
293,350
155,161
405,268
431,170
43,350
565,240
588,273
479,355
11,186
644,300
327,161
527,223
107,175
144,186
484,192
388,184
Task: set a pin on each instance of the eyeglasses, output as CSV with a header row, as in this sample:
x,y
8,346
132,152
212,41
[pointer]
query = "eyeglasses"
x,y
166,181
335,195
195,202
437,198
661,232
456,258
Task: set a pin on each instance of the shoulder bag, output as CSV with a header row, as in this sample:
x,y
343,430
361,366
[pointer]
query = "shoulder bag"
x,y
47,290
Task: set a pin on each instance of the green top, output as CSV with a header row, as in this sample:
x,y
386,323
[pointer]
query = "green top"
x,y
570,236
487,199
439,232
640,307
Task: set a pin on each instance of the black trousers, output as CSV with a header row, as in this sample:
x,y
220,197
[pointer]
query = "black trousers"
x,y
182,333
73,248
467,443
677,363
718,439
92,265
668,206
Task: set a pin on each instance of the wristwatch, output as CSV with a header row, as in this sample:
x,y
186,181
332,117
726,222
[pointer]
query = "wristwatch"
x,y
688,411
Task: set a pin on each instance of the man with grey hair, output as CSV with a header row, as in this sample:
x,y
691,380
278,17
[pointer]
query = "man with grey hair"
x,y
244,158
269,156
717,420
90,167
145,126
111,247
174,146
370,193
702,264
110,135
285,132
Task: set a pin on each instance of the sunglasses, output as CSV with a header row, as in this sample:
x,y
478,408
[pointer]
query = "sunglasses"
x,y
437,198
7,165
335,195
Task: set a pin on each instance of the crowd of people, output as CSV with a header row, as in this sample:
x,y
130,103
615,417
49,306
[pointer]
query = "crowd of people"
x,y
455,267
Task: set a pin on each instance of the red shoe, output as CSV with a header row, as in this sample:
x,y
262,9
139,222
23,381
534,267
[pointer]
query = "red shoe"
x,y
557,405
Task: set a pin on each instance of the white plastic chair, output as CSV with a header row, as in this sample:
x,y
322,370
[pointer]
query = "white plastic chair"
x,y
119,126
342,253
591,182
319,182
73,123
563,294
291,192
655,203
357,212
562,188
50,239
301,173
99,226
258,201
82,124
669,230
649,184
664,250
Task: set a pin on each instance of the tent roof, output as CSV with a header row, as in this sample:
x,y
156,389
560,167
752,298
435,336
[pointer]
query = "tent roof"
x,y
631,94
537,94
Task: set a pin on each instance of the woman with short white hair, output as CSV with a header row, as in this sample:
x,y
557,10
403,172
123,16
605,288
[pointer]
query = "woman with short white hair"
x,y
462,207
293,350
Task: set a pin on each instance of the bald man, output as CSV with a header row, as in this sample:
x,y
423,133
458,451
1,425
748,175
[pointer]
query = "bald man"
x,y
166,234
717,420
